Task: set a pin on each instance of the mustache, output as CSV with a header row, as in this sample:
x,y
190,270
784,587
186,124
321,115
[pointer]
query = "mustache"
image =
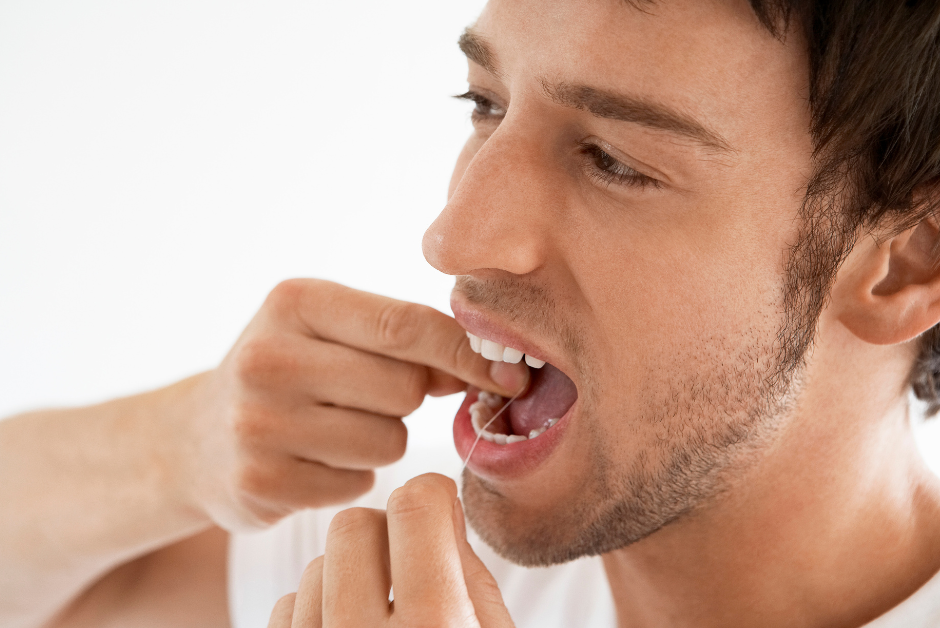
x,y
525,303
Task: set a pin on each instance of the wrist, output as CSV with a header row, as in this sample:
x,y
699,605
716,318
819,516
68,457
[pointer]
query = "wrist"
x,y
173,428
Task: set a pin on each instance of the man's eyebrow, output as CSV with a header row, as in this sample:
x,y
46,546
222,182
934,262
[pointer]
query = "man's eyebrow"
x,y
653,115
600,103
478,50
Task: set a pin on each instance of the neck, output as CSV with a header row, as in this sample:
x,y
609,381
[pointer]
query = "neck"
x,y
837,522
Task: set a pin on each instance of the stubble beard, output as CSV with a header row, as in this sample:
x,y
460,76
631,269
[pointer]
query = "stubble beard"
x,y
724,402
702,433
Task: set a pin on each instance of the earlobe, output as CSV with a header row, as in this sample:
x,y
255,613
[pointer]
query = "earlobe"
x,y
889,293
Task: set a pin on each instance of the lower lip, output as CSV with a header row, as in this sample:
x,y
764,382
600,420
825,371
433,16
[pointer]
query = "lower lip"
x,y
493,461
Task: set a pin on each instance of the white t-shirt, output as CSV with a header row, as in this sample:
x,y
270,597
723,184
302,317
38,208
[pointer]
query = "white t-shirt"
x,y
267,565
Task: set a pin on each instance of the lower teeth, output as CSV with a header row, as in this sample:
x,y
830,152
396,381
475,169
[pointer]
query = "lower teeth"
x,y
482,412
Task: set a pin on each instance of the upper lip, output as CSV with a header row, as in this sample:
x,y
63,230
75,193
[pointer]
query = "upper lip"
x,y
485,326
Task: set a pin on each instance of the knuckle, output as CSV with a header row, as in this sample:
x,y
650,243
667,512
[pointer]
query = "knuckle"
x,y
250,426
252,480
362,483
268,517
351,522
286,600
434,482
314,569
399,324
417,497
414,389
388,446
285,295
285,604
256,361
396,443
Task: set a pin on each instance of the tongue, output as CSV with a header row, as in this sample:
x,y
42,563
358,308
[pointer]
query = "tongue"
x,y
550,395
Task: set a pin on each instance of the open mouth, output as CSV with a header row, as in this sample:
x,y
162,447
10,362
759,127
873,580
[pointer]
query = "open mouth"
x,y
548,398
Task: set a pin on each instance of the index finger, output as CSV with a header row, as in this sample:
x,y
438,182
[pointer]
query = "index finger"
x,y
401,330
424,557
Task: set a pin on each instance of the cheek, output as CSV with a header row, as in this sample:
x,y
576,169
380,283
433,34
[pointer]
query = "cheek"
x,y
665,312
463,162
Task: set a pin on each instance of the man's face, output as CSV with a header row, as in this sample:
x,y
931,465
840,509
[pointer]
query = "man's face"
x,y
623,210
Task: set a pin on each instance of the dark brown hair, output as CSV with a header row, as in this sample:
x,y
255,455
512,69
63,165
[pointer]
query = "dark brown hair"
x,y
875,101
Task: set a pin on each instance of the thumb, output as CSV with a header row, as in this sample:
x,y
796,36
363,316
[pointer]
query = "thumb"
x,y
487,600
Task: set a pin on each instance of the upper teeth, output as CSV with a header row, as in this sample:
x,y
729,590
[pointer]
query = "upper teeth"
x,y
499,353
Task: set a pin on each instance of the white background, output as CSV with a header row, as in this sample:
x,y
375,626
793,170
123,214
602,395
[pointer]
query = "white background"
x,y
164,163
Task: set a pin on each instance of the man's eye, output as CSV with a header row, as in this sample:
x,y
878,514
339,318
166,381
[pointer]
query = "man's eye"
x,y
485,108
605,168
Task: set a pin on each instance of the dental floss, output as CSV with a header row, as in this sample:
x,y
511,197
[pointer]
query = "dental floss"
x,y
490,422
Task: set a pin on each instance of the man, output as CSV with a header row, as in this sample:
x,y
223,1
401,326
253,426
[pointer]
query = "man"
x,y
712,222
656,201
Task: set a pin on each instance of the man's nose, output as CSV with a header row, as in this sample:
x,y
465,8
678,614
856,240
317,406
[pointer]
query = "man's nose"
x,y
499,215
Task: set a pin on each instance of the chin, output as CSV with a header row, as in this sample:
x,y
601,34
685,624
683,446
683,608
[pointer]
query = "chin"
x,y
618,499
527,537
591,515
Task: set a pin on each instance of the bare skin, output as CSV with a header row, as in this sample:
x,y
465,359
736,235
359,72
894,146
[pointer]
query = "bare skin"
x,y
99,501
367,550
825,516
824,513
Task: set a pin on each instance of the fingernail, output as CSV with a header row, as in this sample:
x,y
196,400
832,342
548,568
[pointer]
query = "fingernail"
x,y
512,377
460,524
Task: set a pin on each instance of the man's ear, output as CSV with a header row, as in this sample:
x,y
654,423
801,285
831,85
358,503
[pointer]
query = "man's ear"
x,y
889,292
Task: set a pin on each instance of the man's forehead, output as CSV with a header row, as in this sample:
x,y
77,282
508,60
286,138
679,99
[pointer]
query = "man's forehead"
x,y
673,25
709,59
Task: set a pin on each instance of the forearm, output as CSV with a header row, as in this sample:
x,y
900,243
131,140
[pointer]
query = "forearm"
x,y
298,415
85,490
